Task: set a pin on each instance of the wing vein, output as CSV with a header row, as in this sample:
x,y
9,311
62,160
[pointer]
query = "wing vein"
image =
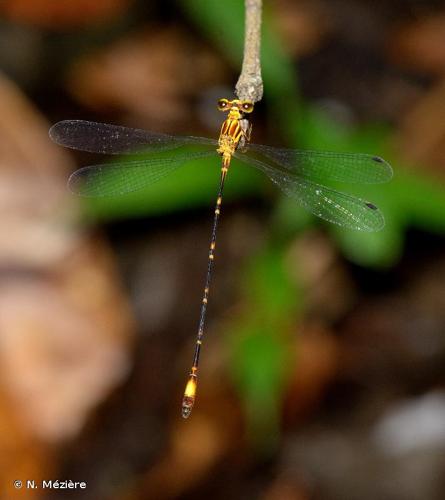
x,y
124,177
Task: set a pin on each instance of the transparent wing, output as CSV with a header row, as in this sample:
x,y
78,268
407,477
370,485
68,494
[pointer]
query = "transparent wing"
x,y
119,178
115,139
339,208
322,166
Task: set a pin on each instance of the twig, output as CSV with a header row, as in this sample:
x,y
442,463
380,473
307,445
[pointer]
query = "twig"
x,y
250,83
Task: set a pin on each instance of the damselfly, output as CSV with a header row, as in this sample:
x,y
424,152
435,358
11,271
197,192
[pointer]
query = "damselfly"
x,y
300,175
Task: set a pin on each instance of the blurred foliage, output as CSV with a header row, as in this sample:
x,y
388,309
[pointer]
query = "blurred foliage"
x,y
260,342
269,288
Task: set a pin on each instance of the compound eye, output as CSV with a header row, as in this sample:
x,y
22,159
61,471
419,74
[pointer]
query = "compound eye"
x,y
247,106
223,104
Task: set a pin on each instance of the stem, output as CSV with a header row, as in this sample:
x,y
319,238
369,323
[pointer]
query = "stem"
x,y
250,84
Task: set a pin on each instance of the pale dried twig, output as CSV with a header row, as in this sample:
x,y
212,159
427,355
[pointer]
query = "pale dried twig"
x,y
250,84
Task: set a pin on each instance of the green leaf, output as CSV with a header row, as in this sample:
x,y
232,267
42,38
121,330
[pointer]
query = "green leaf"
x,y
260,343
260,357
269,289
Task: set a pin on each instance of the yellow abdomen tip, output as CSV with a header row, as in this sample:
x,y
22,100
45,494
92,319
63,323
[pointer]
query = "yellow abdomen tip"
x,y
189,396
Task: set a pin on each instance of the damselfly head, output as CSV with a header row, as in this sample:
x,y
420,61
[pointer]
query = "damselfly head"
x,y
241,106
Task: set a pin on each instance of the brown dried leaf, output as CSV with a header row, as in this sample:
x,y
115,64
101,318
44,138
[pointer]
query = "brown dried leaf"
x,y
194,449
321,274
317,357
302,25
421,136
62,14
149,76
420,45
65,324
